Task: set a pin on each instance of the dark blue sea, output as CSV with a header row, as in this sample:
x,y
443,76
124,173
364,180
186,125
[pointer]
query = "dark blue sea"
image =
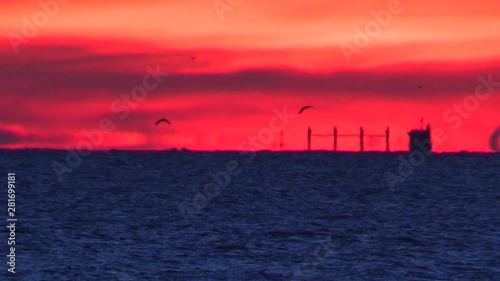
x,y
183,215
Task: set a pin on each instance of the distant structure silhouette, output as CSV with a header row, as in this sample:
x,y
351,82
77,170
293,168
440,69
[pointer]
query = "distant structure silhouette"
x,y
495,140
420,140
281,140
361,136
162,120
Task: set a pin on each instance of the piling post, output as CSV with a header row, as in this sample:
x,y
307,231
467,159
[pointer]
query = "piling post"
x,y
281,140
361,134
309,138
387,139
335,139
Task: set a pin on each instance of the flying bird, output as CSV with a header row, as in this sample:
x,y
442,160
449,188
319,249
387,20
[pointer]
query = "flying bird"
x,y
162,120
420,87
304,108
191,58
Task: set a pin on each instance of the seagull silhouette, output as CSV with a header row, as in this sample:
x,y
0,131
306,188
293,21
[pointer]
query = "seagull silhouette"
x,y
162,120
191,58
420,87
304,108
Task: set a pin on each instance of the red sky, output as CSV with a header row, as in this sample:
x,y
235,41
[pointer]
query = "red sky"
x,y
63,67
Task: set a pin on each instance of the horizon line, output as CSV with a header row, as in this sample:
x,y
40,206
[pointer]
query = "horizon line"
x,y
246,151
